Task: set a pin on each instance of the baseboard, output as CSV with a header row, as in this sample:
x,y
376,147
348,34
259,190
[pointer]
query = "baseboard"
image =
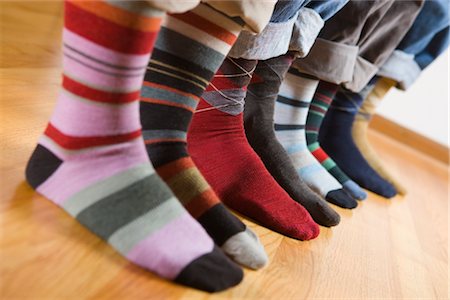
x,y
410,138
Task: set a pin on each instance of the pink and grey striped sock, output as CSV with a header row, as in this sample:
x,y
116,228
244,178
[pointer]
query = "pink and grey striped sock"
x,y
91,159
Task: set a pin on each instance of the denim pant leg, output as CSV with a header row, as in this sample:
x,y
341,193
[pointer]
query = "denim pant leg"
x,y
275,38
305,32
424,42
327,8
286,10
438,44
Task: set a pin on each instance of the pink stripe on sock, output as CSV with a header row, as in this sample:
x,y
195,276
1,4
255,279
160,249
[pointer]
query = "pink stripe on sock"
x,y
100,80
85,168
78,42
173,247
94,119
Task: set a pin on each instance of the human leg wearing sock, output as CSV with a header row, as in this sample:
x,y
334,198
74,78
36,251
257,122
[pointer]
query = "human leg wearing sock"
x,y
319,105
259,129
335,137
91,159
292,27
423,43
217,143
291,109
360,130
351,57
181,66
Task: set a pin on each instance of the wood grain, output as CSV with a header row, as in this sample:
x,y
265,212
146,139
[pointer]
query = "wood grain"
x,y
411,138
383,249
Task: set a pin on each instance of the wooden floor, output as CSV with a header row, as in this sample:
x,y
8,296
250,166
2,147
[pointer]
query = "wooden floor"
x,y
383,249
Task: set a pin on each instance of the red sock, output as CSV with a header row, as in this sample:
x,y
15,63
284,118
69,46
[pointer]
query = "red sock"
x,y
217,143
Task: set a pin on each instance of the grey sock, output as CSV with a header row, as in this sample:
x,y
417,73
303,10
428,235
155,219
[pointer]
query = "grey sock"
x,y
259,128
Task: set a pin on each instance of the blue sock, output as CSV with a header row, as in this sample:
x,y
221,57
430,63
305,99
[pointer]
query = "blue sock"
x,y
335,137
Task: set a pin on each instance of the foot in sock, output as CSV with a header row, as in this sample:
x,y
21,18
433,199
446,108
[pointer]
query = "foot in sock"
x,y
335,137
167,105
319,105
361,125
258,122
91,160
217,143
291,110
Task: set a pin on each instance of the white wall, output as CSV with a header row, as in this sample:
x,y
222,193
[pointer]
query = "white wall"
x,y
424,108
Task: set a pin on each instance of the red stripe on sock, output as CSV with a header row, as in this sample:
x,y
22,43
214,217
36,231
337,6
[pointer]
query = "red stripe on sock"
x,y
320,155
169,170
222,83
107,33
148,142
202,203
76,143
323,98
317,109
206,26
89,93
312,128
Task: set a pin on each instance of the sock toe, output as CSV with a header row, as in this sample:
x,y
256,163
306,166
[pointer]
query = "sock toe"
x,y
388,191
324,215
380,187
354,190
341,198
308,231
246,249
401,190
313,232
212,272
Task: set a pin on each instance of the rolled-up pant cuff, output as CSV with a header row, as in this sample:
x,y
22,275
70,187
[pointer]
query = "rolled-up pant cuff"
x,y
306,29
402,68
262,46
329,61
362,73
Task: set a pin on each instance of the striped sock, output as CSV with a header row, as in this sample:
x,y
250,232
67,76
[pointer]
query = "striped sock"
x,y
291,110
317,110
258,122
189,50
91,159
217,143
361,126
335,136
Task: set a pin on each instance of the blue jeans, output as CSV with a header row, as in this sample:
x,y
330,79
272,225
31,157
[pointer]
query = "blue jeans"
x,y
427,38
286,9
326,8
294,26
429,35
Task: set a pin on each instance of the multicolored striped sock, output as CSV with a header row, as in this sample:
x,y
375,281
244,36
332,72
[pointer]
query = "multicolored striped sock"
x,y
189,50
259,129
91,160
361,126
291,110
335,136
217,143
317,110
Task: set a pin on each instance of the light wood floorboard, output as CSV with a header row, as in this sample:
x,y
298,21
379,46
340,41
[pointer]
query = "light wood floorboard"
x,y
383,249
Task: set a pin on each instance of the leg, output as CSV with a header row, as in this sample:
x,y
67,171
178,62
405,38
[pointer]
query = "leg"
x,y
189,50
91,159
